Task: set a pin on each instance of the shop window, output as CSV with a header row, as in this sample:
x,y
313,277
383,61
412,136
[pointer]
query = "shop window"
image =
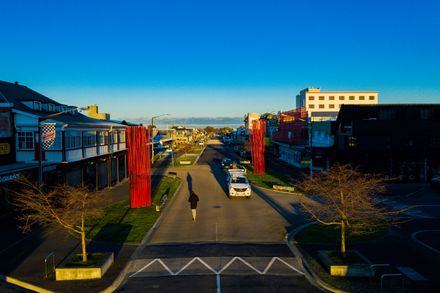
x,y
25,140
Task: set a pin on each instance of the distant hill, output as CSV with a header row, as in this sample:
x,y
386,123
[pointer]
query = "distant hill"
x,y
191,121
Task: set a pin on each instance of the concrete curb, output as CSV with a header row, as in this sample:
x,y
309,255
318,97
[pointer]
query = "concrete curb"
x,y
17,283
198,157
122,275
308,272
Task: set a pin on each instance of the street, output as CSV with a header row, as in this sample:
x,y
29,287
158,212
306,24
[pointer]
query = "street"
x,y
236,245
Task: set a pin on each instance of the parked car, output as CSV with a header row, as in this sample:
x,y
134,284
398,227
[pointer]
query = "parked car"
x,y
238,185
227,163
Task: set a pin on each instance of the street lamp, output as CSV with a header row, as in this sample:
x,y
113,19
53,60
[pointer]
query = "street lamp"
x,y
40,150
152,136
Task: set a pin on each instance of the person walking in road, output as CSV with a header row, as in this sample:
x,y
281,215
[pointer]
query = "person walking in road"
x,y
193,199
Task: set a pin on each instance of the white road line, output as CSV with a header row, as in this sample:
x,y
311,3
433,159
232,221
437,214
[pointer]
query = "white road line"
x,y
234,259
413,236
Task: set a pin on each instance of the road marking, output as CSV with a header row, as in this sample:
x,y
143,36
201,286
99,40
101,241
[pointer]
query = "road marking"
x,y
413,236
234,259
219,272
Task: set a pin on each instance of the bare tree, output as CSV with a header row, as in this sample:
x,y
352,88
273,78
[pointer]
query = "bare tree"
x,y
345,197
60,206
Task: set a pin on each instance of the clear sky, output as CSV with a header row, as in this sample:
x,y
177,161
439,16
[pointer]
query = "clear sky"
x,y
219,57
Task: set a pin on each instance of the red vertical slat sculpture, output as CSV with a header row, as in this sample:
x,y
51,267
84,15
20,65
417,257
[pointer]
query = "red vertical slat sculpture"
x,y
257,145
138,143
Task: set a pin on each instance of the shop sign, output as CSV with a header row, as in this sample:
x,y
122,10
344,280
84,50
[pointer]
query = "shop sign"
x,y
5,148
9,177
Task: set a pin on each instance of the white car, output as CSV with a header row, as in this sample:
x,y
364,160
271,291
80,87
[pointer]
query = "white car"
x,y
238,185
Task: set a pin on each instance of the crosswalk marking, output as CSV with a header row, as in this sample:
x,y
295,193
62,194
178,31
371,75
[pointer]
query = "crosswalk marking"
x,y
214,271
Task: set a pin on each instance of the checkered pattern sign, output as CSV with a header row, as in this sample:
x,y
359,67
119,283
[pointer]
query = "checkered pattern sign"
x,y
47,135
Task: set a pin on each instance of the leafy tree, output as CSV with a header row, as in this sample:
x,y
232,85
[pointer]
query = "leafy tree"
x,y
345,197
60,206
210,129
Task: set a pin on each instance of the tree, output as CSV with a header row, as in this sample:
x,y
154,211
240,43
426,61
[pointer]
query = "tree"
x,y
210,129
60,206
345,197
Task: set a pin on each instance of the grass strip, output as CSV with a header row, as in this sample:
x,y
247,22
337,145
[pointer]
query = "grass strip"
x,y
121,224
319,233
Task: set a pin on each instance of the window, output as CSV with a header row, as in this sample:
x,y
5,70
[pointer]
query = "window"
x,y
113,137
351,98
321,98
341,98
73,139
371,98
311,106
103,137
331,106
25,140
51,107
331,98
352,142
361,98
37,106
321,106
121,136
89,138
311,98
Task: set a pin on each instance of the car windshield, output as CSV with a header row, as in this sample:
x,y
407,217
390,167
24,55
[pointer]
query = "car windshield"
x,y
239,180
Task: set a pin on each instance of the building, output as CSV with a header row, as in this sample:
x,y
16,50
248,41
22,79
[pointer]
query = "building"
x,y
399,141
325,105
300,141
248,120
86,151
93,112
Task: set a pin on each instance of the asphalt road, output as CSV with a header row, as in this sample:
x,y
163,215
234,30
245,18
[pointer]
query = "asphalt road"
x,y
236,245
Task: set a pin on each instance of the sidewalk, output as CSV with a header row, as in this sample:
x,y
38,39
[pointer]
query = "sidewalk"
x,y
24,259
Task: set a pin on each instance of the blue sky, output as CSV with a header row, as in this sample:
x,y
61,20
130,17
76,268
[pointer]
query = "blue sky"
x,y
219,58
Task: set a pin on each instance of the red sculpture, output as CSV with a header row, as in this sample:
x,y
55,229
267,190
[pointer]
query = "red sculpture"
x,y
138,144
257,145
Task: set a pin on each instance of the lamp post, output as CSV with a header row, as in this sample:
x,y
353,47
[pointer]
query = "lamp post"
x,y
152,136
40,150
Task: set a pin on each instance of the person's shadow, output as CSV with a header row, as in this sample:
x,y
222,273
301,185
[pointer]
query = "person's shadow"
x,y
189,180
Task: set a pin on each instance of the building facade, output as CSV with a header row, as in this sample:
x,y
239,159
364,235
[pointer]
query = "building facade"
x,y
86,151
398,141
325,105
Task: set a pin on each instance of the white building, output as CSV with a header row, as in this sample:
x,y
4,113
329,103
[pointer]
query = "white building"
x,y
86,151
322,105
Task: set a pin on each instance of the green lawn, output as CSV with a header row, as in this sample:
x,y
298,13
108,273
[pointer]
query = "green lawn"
x,y
266,180
121,224
318,233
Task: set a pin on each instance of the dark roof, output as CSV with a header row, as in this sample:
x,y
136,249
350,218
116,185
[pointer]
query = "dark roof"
x,y
16,94
373,111
23,93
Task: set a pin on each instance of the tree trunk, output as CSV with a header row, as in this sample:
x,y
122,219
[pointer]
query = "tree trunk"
x,y
343,238
83,240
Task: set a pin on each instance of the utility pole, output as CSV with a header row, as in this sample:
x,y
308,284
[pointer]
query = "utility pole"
x,y
309,122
